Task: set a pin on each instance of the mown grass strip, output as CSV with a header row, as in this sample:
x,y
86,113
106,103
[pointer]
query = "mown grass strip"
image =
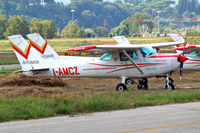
x,y
7,71
32,107
9,62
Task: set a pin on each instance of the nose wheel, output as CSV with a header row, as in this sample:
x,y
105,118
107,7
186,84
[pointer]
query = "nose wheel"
x,y
169,83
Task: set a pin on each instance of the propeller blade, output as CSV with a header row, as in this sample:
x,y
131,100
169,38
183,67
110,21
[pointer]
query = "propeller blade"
x,y
181,70
181,59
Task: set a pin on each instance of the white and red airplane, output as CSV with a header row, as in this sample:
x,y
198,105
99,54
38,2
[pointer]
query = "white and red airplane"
x,y
192,52
121,60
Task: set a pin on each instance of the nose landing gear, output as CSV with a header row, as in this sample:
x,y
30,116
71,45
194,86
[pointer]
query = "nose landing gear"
x,y
169,83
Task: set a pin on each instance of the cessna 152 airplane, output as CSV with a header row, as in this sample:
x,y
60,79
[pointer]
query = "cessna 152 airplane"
x,y
121,60
192,52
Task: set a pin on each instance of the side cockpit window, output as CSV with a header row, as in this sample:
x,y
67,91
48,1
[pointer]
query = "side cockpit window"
x,y
193,54
132,54
106,57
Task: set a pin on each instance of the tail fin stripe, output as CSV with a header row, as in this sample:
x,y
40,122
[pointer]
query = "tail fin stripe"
x,y
25,53
37,47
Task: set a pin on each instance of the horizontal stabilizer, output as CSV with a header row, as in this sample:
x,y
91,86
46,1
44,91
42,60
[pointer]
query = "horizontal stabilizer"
x,y
42,69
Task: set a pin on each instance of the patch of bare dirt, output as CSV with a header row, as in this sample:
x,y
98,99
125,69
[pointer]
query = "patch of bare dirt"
x,y
33,91
18,79
18,85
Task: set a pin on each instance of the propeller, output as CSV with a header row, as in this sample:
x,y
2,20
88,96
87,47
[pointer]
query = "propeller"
x,y
181,59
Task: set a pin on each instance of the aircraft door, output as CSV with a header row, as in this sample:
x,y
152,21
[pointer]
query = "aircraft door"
x,y
129,68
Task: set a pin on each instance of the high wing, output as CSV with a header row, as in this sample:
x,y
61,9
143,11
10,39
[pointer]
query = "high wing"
x,y
122,46
187,48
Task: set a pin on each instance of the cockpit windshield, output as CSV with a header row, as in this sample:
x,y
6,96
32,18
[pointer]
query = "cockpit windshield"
x,y
147,51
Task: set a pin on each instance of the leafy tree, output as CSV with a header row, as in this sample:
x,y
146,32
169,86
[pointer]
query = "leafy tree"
x,y
35,26
81,33
140,26
17,25
47,29
72,30
122,29
131,25
3,22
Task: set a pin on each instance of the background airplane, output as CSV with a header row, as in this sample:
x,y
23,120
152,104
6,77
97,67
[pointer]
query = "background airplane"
x,y
192,52
122,60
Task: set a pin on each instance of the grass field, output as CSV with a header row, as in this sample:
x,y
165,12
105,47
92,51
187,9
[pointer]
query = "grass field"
x,y
8,58
23,97
30,107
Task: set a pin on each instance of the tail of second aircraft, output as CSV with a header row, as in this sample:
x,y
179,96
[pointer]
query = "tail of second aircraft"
x,y
27,55
179,38
42,47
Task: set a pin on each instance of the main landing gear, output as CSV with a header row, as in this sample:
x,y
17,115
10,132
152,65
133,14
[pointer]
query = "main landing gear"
x,y
142,84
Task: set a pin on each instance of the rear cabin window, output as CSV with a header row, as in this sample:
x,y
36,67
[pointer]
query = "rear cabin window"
x,y
106,57
132,54
147,51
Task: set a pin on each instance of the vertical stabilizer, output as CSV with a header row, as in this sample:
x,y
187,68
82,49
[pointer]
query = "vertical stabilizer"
x,y
42,47
26,54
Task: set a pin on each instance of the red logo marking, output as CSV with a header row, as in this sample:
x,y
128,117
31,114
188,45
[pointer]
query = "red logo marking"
x,y
25,53
37,47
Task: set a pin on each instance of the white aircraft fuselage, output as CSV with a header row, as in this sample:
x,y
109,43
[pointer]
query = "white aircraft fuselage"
x,y
65,66
193,63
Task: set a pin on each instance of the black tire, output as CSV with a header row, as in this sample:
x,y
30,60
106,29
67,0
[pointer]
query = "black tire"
x,y
145,87
121,87
139,87
171,85
143,83
129,81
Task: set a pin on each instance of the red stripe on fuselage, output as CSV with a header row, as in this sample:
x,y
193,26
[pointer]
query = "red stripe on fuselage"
x,y
126,64
164,55
193,60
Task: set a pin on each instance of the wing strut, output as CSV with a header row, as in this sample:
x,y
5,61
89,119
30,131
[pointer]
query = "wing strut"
x,y
125,53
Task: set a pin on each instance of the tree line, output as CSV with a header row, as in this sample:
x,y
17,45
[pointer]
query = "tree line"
x,y
94,12
16,24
